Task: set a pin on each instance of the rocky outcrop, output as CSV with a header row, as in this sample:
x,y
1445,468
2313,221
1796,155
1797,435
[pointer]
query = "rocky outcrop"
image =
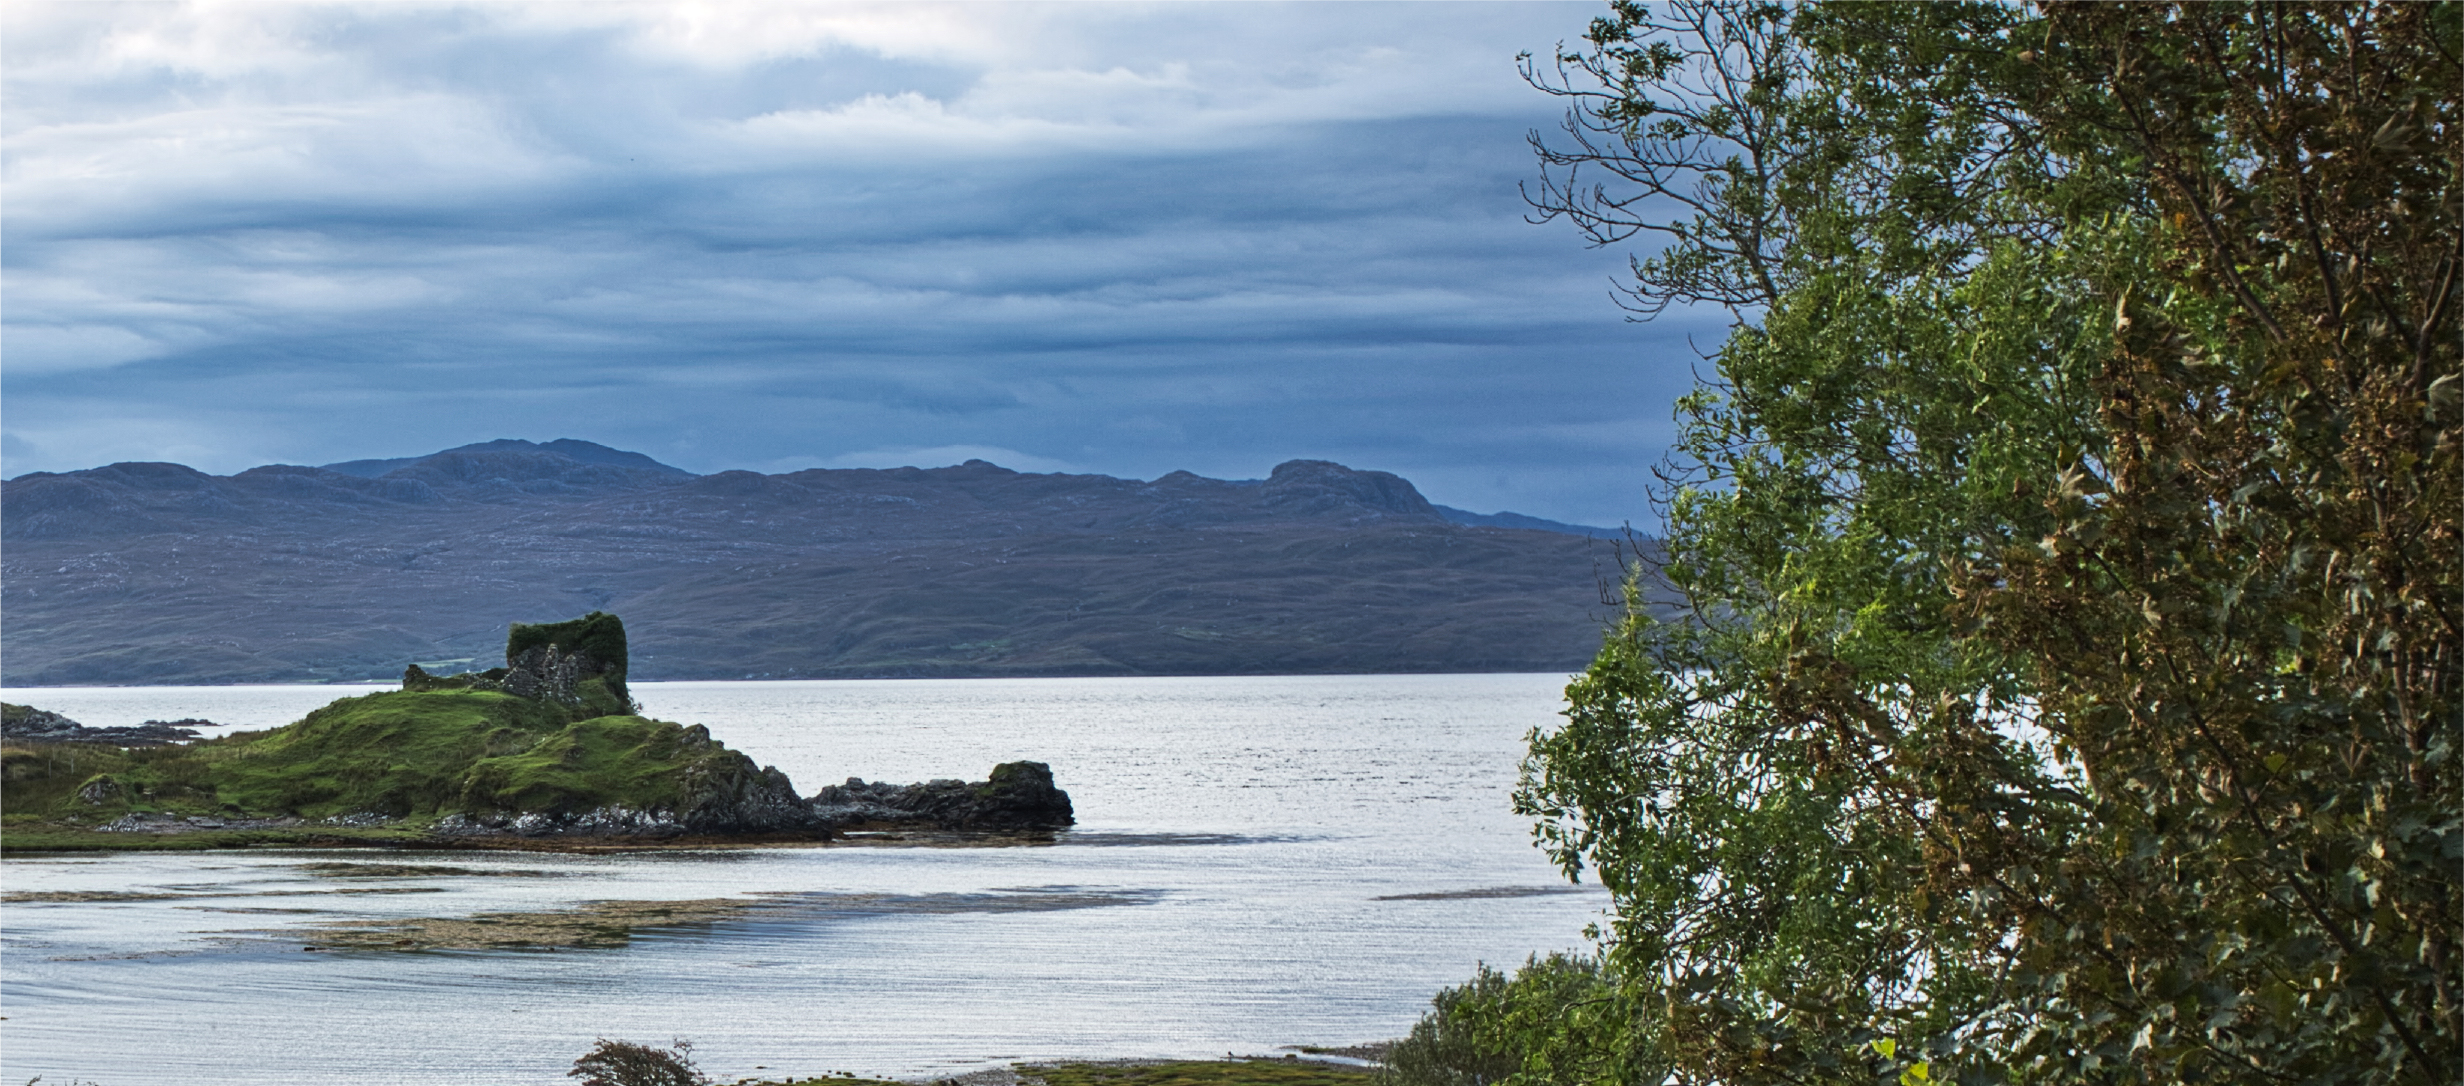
x,y
581,666
578,664
27,724
1325,488
1017,796
548,746
553,673
562,661
733,797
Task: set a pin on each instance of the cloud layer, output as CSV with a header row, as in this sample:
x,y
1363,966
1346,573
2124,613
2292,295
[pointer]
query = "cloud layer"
x,y
1124,239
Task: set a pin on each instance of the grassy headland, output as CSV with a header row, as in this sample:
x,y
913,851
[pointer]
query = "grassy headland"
x,y
377,769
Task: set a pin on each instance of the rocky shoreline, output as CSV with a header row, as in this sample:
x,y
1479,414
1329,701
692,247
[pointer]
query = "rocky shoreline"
x,y
1015,797
27,724
1016,803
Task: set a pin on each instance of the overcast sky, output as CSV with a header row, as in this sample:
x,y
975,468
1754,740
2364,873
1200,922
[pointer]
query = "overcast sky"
x,y
1088,237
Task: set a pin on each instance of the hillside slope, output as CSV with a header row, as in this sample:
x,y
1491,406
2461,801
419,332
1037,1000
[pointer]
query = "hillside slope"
x,y
156,573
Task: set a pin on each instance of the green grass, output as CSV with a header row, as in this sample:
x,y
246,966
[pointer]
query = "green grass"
x,y
614,759
409,756
399,754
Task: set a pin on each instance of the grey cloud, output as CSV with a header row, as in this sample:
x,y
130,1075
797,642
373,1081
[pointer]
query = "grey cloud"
x,y
523,222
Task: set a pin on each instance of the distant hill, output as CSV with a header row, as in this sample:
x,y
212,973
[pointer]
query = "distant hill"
x,y
158,573
1518,520
587,452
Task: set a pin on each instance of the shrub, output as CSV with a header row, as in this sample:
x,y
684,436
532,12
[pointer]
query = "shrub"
x,y
623,1063
1496,1027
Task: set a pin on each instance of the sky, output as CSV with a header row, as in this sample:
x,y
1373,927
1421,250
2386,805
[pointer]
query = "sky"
x,y
1115,238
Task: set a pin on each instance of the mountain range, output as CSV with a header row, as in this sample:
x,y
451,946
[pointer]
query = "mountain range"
x,y
140,573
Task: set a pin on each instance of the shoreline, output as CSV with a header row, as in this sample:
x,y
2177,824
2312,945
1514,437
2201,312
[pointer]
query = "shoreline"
x,y
43,838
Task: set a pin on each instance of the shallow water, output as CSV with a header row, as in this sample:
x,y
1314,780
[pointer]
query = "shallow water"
x,y
1259,862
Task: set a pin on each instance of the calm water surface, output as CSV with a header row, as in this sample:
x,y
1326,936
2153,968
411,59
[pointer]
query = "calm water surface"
x,y
1259,862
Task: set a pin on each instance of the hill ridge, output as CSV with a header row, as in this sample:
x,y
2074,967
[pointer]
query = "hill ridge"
x,y
158,573
588,452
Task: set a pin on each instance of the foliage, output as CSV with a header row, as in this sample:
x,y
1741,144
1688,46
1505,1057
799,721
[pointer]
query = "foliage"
x,y
2244,623
1548,1017
623,1063
1455,1044
2069,691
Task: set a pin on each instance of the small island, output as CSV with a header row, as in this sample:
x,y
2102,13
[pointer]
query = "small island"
x,y
549,750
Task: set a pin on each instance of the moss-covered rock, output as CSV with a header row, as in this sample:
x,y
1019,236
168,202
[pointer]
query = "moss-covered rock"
x,y
578,662
100,789
579,665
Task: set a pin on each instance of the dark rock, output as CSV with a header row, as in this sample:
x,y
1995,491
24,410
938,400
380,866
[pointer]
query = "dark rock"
x,y
1017,796
27,724
152,733
735,798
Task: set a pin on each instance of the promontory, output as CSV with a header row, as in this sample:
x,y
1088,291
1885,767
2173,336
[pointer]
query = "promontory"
x,y
548,748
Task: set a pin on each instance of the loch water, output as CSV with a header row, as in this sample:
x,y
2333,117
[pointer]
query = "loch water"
x,y
1259,862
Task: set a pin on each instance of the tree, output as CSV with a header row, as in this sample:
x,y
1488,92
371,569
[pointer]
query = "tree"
x,y
623,1063
2069,686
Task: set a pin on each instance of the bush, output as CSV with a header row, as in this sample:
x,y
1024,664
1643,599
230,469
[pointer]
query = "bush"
x,y
623,1063
1495,1027
1455,1044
